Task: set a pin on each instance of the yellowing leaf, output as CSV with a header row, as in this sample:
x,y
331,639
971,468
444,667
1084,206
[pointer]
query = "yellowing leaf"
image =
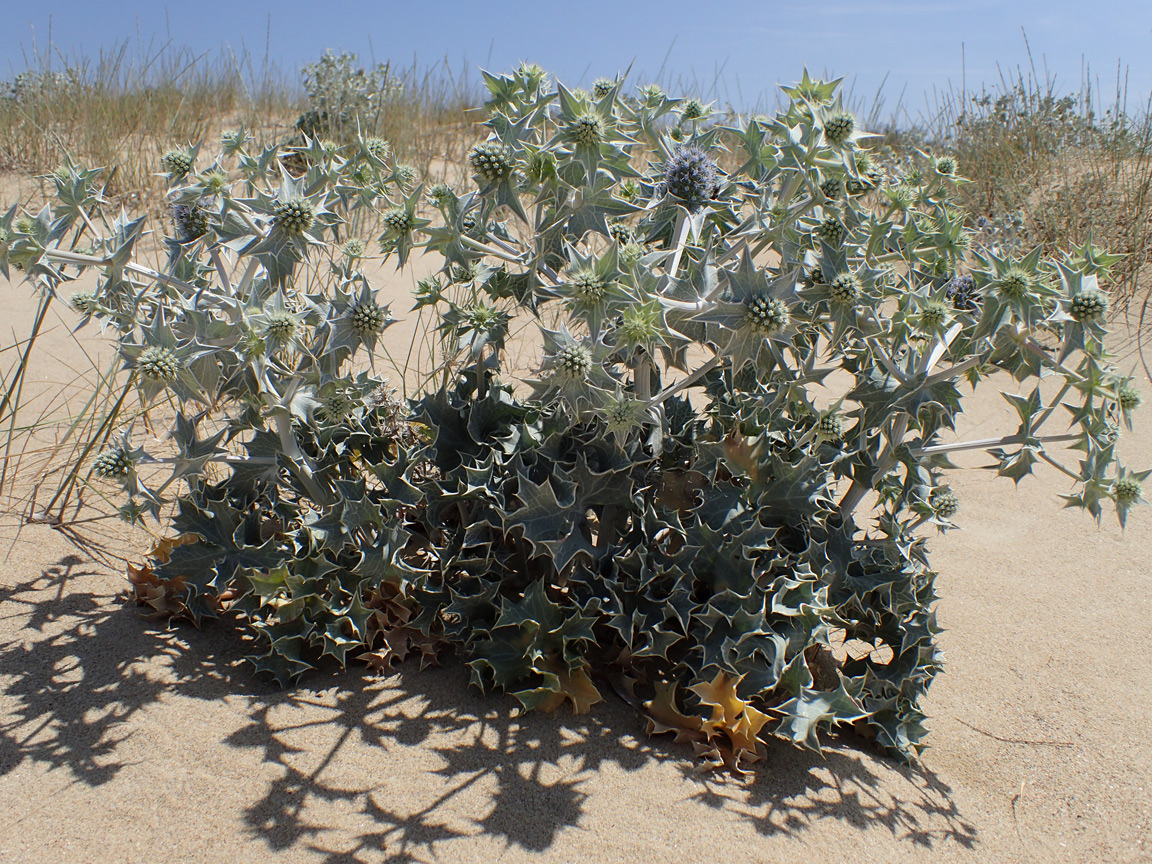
x,y
664,716
730,714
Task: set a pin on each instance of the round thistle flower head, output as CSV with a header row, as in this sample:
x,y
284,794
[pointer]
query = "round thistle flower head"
x,y
1089,305
932,315
602,87
85,302
767,315
1016,283
587,130
778,213
377,148
830,428
620,415
281,327
483,316
693,109
405,176
629,190
650,94
1129,398
158,364
491,160
533,74
363,175
353,248
691,175
962,293
294,216
252,345
815,277
541,166
367,318
26,225
620,232
336,406
464,272
1109,434
573,362
946,165
176,162
190,221
839,126
833,187
231,140
398,219
215,181
588,286
111,463
639,324
630,253
900,195
830,230
1126,491
441,195
944,502
845,288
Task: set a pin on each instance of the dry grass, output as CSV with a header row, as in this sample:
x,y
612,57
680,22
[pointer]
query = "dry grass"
x,y
125,108
1068,167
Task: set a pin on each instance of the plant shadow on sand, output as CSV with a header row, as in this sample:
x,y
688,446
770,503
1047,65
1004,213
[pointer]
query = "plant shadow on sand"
x,y
80,669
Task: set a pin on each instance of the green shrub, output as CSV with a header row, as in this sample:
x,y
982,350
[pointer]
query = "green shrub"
x,y
723,466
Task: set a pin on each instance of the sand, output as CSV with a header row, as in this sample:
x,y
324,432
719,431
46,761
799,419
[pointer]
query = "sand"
x,y
123,740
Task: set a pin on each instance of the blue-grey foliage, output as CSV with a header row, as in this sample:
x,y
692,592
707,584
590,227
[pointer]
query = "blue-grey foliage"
x,y
722,469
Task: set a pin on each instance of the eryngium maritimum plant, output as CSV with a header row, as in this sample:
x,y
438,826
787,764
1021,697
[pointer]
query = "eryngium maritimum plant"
x,y
670,507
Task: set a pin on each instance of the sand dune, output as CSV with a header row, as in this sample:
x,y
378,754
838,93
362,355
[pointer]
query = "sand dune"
x,y
124,740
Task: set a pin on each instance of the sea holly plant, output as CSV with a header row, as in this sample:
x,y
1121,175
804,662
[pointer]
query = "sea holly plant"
x,y
710,493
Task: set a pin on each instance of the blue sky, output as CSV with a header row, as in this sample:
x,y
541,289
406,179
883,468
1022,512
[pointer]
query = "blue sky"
x,y
742,48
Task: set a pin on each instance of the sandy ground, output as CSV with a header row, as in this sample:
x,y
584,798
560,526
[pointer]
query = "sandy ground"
x,y
124,741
